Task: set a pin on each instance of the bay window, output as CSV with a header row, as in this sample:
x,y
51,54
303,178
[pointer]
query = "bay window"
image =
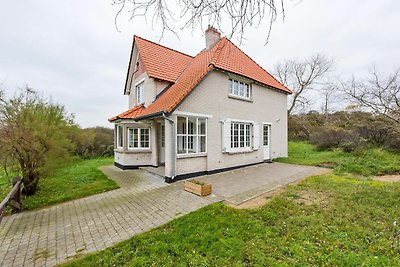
x,y
119,136
138,138
191,135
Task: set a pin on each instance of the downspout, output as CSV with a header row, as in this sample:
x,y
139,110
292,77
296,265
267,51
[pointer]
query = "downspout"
x,y
173,150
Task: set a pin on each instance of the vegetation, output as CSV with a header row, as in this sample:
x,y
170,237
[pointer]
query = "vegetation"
x,y
74,179
92,142
326,220
369,161
33,131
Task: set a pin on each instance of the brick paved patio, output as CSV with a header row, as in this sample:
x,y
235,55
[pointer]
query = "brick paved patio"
x,y
53,235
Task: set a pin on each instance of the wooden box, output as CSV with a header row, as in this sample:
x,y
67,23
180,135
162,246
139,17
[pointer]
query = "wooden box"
x,y
197,187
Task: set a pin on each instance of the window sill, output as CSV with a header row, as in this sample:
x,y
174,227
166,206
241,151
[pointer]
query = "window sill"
x,y
134,151
240,98
192,155
232,152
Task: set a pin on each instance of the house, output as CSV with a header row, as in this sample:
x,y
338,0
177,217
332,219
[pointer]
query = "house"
x,y
216,111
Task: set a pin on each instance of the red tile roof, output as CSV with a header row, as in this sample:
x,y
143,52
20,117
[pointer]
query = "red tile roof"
x,y
161,62
224,55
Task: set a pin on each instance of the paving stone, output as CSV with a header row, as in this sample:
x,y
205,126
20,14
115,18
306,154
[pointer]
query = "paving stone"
x,y
56,234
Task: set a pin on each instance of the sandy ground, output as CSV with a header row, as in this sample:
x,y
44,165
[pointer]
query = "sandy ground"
x,y
387,178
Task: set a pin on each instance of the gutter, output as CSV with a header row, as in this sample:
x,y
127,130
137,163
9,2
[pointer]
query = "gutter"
x,y
173,150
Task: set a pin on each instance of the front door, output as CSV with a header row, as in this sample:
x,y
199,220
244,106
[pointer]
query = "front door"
x,y
266,141
162,150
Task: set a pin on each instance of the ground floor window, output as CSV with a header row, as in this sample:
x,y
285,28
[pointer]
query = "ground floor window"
x,y
138,138
119,136
191,135
240,135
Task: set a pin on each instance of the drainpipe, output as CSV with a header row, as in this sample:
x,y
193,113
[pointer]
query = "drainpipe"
x,y
173,150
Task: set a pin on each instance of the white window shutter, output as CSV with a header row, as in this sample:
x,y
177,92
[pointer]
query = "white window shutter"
x,y
226,136
256,136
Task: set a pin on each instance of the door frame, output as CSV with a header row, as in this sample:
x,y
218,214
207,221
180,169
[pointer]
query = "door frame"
x,y
269,140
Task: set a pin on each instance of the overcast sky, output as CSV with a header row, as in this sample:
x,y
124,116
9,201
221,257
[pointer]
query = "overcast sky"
x,y
70,50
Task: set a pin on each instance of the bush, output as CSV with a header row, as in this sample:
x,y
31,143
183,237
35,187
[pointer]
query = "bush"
x,y
337,138
93,142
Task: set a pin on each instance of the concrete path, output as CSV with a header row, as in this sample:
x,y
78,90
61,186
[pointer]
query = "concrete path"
x,y
53,235
243,184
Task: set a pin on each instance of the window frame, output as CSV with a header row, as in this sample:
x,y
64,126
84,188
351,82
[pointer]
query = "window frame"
x,y
239,89
120,131
139,138
244,133
196,136
139,86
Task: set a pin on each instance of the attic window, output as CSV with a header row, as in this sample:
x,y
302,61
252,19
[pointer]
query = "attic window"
x,y
239,89
140,93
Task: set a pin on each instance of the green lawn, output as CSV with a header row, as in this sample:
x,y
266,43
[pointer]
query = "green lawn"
x,y
336,219
370,161
75,179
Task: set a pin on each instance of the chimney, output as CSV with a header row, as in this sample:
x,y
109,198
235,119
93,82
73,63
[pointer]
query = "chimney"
x,y
212,37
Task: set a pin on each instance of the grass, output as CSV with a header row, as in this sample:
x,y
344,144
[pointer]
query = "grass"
x,y
75,179
350,225
337,219
367,162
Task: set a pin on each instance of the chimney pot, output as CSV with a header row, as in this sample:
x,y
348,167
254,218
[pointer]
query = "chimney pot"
x,y
212,37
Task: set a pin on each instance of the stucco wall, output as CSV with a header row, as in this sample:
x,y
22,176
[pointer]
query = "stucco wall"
x,y
211,97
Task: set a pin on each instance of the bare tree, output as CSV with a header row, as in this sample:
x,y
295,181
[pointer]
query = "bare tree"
x,y
242,14
378,94
301,76
329,94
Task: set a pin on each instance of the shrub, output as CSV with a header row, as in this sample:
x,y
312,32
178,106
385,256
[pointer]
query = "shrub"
x,y
327,138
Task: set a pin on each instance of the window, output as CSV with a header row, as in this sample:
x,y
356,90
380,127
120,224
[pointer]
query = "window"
x,y
138,138
240,135
191,135
119,136
140,93
265,136
239,89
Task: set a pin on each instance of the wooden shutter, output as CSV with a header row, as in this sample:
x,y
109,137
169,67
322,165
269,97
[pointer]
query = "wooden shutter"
x,y
226,136
256,136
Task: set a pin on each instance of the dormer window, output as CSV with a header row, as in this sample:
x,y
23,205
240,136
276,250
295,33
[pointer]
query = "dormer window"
x,y
140,93
239,89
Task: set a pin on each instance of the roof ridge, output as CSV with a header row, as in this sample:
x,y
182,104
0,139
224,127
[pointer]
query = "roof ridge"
x,y
221,43
258,64
136,36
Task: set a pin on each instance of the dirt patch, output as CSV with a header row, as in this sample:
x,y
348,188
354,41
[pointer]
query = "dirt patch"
x,y
257,201
328,164
310,197
387,178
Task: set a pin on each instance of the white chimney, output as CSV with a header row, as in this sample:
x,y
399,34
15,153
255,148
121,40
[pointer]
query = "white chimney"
x,y
212,37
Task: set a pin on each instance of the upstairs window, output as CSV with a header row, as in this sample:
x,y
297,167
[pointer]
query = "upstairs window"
x,y
138,138
140,93
239,89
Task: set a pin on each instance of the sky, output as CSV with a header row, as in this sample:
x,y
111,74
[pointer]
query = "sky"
x,y
71,51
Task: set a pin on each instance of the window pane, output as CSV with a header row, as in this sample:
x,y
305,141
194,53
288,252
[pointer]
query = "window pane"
x,y
135,138
247,90
241,135
241,89
130,138
145,138
192,125
119,137
247,135
181,144
192,144
202,126
202,144
230,86
265,135
181,125
235,87
140,92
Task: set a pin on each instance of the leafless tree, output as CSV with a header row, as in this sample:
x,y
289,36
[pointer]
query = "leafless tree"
x,y
329,94
302,76
242,14
378,94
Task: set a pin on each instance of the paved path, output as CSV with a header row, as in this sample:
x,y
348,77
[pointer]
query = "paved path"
x,y
243,184
53,235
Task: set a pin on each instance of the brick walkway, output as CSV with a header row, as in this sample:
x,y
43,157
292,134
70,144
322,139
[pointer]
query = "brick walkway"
x,y
53,235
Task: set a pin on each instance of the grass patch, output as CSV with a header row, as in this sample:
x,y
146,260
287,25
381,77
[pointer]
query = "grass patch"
x,y
74,179
350,225
369,161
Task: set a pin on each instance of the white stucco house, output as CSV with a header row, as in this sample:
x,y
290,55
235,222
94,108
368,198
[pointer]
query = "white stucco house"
x,y
216,111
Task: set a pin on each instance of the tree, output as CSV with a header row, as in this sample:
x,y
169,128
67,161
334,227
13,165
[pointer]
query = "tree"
x,y
33,132
242,14
378,94
301,76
